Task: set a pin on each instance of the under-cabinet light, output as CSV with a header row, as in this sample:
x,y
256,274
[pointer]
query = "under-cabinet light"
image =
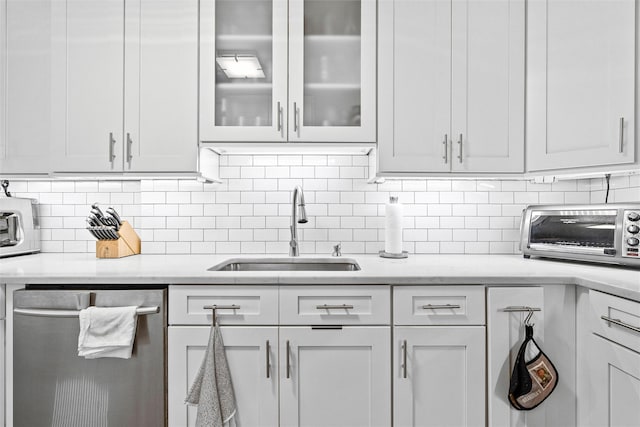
x,y
241,66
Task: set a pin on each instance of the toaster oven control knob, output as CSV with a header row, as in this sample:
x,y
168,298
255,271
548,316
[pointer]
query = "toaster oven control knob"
x,y
633,216
633,229
633,241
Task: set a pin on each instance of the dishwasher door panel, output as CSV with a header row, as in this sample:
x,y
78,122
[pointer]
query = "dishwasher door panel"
x,y
55,387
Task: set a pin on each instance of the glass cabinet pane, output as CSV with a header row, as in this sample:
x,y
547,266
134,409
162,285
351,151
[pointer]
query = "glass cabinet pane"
x,y
332,51
243,62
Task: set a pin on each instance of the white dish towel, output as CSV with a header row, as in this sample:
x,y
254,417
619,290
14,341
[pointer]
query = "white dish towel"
x,y
107,332
212,389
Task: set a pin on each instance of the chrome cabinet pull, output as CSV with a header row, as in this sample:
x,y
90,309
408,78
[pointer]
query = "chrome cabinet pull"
x,y
446,149
439,306
112,142
621,147
520,308
404,359
460,148
279,117
296,115
129,144
334,307
288,351
620,323
215,307
268,360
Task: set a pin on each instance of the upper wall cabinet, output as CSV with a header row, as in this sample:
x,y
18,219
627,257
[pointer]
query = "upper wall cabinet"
x,y
124,80
451,86
25,86
302,70
580,83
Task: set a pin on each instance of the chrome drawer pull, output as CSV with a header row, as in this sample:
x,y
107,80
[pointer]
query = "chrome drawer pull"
x,y
221,307
440,307
620,323
404,359
334,307
215,307
39,312
518,309
621,135
288,351
268,360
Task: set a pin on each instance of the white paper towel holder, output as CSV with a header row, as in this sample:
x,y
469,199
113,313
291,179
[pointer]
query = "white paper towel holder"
x,y
404,254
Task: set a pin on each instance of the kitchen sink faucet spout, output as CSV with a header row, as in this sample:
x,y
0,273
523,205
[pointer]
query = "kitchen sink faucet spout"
x,y
298,199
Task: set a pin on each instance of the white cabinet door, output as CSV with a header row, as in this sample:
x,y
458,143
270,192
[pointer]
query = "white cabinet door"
x,y
451,86
234,108
25,86
439,376
332,70
615,382
161,86
249,351
88,82
487,90
580,83
505,334
335,377
414,85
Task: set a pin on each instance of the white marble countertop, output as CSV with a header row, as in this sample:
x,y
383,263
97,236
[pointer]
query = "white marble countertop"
x,y
417,269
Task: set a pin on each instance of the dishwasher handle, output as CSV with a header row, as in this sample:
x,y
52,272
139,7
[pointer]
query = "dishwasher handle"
x,y
44,312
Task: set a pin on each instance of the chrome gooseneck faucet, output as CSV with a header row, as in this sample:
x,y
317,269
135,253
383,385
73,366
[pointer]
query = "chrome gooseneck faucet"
x,y
298,198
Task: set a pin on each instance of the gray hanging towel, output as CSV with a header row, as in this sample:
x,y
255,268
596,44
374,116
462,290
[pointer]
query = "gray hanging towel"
x,y
212,389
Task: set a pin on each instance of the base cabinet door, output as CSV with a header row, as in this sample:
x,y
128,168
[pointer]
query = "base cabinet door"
x,y
505,334
439,376
335,376
615,385
252,357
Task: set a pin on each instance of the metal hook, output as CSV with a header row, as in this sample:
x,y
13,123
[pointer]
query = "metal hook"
x,y
5,187
526,320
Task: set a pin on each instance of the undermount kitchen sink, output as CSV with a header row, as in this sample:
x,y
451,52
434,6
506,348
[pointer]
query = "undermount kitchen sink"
x,y
287,264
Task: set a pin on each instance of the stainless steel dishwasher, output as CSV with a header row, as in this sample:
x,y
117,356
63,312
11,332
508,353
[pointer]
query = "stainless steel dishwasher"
x,y
53,386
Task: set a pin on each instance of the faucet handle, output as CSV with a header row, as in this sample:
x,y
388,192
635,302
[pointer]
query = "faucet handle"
x,y
337,250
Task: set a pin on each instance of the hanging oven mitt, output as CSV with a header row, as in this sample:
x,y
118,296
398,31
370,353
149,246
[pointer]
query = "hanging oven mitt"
x,y
534,380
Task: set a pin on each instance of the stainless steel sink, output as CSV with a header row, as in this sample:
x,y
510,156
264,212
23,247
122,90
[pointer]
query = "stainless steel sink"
x,y
287,264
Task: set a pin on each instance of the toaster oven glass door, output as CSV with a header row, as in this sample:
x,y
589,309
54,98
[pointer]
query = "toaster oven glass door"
x,y
585,229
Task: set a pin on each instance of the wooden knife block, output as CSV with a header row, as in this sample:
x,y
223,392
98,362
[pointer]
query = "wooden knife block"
x,y
128,244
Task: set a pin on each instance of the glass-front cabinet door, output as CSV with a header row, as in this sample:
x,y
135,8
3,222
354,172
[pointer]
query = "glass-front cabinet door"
x,y
332,70
296,70
243,70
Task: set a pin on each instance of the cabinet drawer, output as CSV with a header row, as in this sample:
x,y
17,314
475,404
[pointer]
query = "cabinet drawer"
x,y
335,305
257,305
624,312
438,305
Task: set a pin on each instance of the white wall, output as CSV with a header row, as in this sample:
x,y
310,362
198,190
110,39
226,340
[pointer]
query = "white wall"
x,y
250,212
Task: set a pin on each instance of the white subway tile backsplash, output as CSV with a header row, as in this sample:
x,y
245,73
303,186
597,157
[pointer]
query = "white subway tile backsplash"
x,y
250,211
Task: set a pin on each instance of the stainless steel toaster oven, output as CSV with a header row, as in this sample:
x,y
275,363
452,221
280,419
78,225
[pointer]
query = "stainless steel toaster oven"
x,y
607,233
19,226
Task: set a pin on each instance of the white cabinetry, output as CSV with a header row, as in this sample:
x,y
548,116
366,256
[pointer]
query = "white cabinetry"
x,y
451,86
25,86
318,70
610,352
439,371
124,79
255,375
335,376
328,374
581,83
505,334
